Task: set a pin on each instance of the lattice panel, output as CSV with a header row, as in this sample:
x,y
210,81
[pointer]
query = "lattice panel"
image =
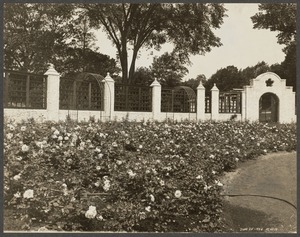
x,y
17,86
66,93
177,101
166,100
82,95
133,98
207,104
96,96
37,92
24,90
230,103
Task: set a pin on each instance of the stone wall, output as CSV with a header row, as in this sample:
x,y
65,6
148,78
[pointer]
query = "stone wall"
x,y
265,83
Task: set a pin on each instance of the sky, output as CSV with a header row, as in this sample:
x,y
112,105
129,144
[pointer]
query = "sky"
x,y
242,46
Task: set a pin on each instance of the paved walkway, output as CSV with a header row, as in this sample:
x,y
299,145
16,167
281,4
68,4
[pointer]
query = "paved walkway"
x,y
273,175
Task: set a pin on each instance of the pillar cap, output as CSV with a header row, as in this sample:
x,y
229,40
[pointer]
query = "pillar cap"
x,y
215,88
200,86
155,83
51,71
108,78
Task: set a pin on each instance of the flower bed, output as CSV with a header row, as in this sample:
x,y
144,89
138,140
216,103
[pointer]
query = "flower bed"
x,y
128,176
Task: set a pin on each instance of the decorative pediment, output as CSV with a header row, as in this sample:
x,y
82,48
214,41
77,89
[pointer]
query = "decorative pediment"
x,y
269,82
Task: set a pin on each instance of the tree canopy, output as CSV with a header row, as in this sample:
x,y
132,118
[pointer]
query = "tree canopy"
x,y
35,34
168,69
231,77
187,26
278,17
38,34
281,17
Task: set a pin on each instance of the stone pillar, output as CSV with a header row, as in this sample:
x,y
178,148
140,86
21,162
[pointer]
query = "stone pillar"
x,y
214,102
109,96
156,99
200,102
52,93
243,104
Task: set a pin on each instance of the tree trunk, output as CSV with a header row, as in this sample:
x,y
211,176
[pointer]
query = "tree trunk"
x,y
132,66
124,62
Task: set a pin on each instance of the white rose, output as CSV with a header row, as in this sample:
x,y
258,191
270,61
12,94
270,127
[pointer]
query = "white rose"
x,y
9,136
25,148
106,187
17,177
178,194
28,193
17,195
152,198
131,174
199,177
91,212
148,209
23,128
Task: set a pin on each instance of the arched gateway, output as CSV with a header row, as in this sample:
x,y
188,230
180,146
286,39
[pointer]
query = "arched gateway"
x,y
268,108
268,99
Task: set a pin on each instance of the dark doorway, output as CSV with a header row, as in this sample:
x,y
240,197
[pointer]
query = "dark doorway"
x,y
268,108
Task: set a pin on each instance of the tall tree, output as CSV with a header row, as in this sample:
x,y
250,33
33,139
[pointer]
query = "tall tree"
x,y
93,62
35,34
187,26
281,17
194,83
252,72
226,79
143,76
168,69
278,17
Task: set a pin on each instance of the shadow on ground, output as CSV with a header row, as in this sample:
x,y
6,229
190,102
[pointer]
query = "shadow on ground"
x,y
241,219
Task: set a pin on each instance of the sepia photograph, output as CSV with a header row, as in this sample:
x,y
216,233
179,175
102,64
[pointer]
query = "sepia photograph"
x,y
149,117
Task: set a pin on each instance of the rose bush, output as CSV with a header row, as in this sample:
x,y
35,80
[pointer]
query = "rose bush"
x,y
125,176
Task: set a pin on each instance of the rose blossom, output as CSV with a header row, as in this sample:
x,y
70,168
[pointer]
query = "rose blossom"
x,y
28,193
178,194
17,195
148,209
25,148
131,174
17,177
91,212
9,136
152,198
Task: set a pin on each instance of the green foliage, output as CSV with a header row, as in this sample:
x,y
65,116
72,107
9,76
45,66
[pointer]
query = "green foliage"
x,y
278,17
142,76
38,34
93,62
145,176
287,69
35,34
187,26
281,17
194,83
168,69
226,79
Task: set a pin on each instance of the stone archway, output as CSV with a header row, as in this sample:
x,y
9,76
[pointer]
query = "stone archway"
x,y
269,108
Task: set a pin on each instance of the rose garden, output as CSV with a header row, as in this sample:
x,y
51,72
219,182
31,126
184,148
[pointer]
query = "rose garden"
x,y
127,176
94,143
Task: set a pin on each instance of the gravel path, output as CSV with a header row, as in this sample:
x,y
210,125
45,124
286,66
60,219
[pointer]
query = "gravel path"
x,y
272,180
